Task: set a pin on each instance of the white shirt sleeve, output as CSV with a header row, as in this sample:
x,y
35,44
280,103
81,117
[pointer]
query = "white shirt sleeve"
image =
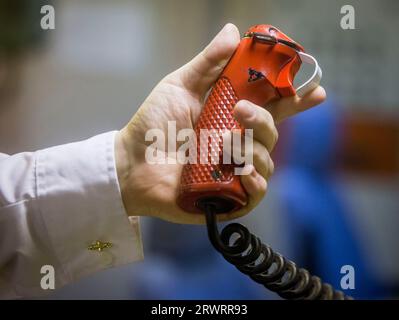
x,y
55,204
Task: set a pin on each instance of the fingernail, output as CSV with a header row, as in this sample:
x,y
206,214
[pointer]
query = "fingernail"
x,y
226,26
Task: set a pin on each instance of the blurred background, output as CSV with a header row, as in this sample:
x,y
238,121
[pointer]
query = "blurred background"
x,y
333,200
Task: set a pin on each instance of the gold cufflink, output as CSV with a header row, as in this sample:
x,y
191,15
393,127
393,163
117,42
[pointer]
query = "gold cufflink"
x,y
99,246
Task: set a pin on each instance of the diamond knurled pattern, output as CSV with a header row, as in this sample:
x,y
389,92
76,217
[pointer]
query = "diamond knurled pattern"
x,y
217,114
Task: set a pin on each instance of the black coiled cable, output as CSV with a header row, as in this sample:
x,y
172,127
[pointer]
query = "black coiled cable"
x,y
263,265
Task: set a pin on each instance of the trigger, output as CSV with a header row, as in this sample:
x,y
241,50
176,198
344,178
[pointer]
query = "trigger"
x,y
284,82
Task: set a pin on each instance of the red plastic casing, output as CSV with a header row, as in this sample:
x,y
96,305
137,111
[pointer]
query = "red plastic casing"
x,y
278,63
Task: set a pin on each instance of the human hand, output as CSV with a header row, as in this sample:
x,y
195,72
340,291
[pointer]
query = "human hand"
x,y
152,190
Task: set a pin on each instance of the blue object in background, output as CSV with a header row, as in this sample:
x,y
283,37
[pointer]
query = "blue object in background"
x,y
180,263
322,236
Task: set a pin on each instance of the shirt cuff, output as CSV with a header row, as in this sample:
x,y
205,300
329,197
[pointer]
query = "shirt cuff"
x,y
82,208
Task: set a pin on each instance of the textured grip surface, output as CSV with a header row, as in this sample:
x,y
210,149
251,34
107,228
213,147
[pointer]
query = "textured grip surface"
x,y
205,181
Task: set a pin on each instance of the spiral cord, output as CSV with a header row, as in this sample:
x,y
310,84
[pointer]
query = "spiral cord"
x,y
263,265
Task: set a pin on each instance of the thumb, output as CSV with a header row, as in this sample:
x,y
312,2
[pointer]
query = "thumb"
x,y
202,71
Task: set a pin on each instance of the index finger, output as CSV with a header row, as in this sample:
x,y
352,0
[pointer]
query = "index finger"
x,y
289,106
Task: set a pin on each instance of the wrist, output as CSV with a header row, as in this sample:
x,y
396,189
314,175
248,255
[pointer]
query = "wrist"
x,y
123,163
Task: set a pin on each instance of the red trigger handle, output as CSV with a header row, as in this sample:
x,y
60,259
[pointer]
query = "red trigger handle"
x,y
261,70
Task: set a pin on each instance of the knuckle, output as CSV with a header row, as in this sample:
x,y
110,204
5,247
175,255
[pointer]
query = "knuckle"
x,y
262,187
268,118
275,135
271,166
269,123
260,153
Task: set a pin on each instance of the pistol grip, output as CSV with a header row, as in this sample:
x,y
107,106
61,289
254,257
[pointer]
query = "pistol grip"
x,y
261,70
214,183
